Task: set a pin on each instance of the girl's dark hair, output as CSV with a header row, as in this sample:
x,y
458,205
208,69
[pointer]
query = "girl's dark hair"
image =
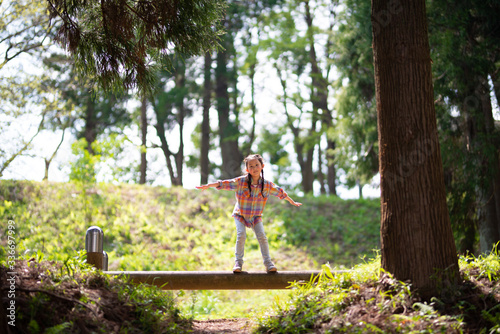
x,y
249,177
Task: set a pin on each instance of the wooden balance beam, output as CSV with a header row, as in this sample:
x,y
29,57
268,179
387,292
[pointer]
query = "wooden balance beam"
x,y
217,280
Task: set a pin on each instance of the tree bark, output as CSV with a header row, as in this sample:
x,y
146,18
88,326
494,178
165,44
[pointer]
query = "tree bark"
x,y
144,133
416,238
205,123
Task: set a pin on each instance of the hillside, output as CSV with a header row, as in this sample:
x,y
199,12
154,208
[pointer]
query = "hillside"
x,y
157,228
154,228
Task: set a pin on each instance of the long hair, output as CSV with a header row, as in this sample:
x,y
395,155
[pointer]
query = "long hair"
x,y
249,177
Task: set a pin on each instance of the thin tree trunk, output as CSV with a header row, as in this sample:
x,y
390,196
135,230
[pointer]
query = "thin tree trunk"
x,y
495,78
90,131
205,124
144,133
253,107
480,127
321,176
319,98
416,238
6,164
180,83
228,130
49,160
160,131
304,157
175,161
332,171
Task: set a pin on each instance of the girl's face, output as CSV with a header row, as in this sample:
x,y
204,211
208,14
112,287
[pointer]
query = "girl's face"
x,y
254,167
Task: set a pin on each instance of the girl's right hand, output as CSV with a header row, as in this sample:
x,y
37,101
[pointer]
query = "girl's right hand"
x,y
203,187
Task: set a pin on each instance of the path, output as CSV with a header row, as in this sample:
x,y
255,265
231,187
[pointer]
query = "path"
x,y
237,326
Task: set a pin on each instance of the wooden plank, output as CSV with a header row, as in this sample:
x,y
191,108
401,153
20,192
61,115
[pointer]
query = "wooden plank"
x,y
217,280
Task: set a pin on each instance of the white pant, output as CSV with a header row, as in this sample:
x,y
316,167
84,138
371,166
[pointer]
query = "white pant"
x,y
241,235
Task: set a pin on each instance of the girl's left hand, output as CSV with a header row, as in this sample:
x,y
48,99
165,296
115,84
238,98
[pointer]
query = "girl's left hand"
x,y
296,203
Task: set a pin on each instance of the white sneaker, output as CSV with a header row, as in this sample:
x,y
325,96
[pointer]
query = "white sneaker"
x,y
271,268
237,267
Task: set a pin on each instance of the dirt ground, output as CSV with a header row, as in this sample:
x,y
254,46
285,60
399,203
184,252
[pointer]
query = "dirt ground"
x,y
240,326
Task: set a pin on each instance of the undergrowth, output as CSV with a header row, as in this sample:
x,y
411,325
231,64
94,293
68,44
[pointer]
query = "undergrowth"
x,y
367,300
72,297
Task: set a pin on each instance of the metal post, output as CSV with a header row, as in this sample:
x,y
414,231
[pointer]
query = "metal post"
x,y
94,246
105,261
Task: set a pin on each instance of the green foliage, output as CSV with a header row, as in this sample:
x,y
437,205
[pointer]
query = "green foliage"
x,y
463,48
342,232
24,26
356,131
83,170
365,299
102,155
84,298
121,44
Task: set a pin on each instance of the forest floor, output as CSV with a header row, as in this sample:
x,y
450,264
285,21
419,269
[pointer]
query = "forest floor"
x,y
237,326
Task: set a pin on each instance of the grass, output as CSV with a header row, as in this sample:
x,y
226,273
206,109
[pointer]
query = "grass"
x,y
83,300
157,228
366,300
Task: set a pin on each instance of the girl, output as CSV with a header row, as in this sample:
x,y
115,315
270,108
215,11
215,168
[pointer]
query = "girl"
x,y
252,192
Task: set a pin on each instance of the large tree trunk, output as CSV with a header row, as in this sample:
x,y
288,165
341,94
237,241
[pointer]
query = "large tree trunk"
x,y
228,130
205,123
416,236
144,133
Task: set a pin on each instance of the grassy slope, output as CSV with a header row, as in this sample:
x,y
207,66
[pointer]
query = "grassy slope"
x,y
156,228
150,228
363,300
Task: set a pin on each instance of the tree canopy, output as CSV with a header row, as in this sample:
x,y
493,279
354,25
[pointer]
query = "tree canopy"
x,y
121,43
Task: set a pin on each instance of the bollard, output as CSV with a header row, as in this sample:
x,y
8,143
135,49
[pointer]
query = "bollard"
x,y
94,246
104,261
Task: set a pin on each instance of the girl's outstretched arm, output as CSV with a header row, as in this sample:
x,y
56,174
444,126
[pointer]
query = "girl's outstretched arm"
x,y
208,185
292,202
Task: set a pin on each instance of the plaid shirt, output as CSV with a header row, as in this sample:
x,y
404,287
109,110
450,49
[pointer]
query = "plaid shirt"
x,y
249,206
